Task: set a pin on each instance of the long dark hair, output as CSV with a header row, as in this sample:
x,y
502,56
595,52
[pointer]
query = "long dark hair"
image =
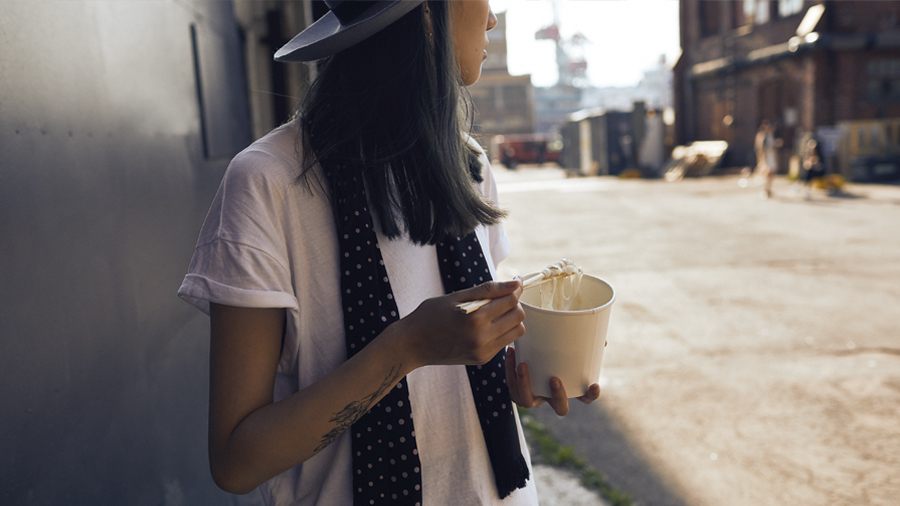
x,y
387,115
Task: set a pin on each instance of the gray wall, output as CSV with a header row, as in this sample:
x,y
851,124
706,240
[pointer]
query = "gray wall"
x,y
103,187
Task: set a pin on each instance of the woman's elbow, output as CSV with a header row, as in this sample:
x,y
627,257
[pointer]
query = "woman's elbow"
x,y
229,479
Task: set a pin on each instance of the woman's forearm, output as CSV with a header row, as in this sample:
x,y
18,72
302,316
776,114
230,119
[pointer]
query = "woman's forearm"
x,y
277,436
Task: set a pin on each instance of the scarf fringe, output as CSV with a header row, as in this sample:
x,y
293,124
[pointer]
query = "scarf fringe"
x,y
512,479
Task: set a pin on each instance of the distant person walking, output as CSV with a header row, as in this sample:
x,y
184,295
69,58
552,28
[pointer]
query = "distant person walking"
x,y
814,169
766,147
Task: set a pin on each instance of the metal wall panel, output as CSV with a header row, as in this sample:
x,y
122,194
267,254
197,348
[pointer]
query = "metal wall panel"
x,y
103,187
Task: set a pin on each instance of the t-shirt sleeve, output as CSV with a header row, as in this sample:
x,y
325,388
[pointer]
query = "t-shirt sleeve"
x,y
241,257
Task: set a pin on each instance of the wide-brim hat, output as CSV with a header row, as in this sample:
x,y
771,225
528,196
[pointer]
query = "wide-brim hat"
x,y
347,22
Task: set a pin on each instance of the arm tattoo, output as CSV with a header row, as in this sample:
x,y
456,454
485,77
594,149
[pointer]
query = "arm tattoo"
x,y
352,412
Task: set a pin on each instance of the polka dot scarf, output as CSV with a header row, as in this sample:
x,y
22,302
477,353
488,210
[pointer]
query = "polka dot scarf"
x,y
386,467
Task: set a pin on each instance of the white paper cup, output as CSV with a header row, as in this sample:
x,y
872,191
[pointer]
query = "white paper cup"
x,y
566,344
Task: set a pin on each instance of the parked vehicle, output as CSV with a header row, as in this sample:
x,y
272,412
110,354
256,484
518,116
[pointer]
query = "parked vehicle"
x,y
511,150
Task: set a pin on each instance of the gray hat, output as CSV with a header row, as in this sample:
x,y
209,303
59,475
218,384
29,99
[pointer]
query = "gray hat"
x,y
347,23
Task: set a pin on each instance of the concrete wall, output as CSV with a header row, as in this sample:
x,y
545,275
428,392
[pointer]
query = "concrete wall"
x,y
106,173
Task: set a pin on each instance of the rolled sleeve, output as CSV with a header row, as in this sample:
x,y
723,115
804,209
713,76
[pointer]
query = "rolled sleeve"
x,y
235,274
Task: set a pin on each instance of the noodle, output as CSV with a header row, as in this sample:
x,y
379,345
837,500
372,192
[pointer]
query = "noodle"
x,y
564,282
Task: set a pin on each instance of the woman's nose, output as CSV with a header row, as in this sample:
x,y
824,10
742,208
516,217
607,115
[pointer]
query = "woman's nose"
x,y
492,20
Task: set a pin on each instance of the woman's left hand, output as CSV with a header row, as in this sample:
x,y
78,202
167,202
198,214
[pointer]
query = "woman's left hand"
x,y
519,383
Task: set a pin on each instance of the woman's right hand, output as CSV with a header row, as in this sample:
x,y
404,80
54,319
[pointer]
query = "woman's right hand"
x,y
440,334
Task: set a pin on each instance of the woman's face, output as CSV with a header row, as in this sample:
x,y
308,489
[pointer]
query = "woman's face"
x,y
470,21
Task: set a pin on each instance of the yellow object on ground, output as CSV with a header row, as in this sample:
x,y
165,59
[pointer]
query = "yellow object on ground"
x,y
831,182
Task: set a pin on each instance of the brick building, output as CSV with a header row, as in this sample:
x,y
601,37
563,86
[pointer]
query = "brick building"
x,y
809,67
504,104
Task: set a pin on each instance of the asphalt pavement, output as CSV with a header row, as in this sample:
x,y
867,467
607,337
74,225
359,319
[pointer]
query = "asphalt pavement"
x,y
754,346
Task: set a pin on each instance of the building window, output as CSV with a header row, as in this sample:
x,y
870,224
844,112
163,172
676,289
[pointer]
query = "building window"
x,y
758,12
738,18
749,10
884,67
883,84
710,17
789,7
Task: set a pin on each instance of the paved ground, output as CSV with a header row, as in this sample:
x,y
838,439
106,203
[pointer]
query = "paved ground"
x,y
754,354
557,487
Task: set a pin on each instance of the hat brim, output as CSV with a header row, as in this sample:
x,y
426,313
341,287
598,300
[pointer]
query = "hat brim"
x,y
328,36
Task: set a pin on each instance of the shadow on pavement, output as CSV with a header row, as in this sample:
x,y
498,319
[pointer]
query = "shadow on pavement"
x,y
841,194
598,438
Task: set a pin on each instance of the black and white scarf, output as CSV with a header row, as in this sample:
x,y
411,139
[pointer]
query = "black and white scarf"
x,y
386,467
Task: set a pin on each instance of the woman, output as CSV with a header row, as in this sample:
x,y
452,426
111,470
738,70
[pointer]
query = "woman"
x,y
324,264
766,146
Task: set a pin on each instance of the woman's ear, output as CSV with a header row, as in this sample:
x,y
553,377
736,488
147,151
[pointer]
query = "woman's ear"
x,y
426,20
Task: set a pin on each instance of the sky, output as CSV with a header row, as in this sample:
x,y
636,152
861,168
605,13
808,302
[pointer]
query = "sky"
x,y
626,37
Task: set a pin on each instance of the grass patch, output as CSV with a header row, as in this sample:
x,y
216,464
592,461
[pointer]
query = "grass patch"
x,y
549,451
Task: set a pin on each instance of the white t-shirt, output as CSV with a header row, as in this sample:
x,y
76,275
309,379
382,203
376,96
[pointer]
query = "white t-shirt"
x,y
270,242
